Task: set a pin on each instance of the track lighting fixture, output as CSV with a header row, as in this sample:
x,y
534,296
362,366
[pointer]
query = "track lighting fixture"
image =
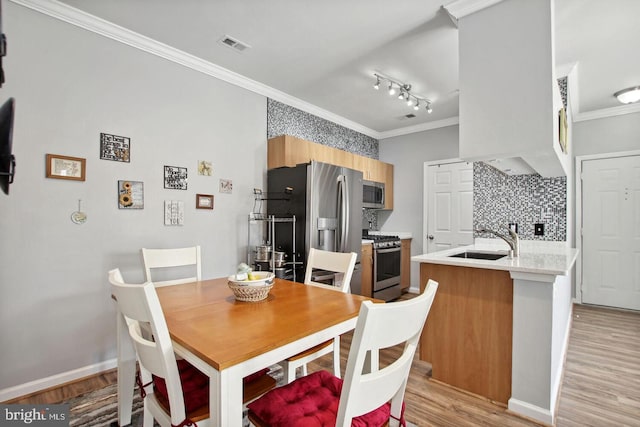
x,y
377,85
404,92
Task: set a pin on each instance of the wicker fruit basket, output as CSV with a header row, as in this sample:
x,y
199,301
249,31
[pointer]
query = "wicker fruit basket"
x,y
252,290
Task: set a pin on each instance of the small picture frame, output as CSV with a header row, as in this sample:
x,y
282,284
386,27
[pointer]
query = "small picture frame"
x,y
204,201
130,195
115,148
226,186
204,168
563,128
65,167
175,178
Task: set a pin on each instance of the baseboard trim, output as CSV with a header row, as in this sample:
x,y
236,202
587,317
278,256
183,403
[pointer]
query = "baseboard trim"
x,y
55,380
530,411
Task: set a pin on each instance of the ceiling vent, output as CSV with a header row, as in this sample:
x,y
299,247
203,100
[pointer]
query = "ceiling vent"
x,y
407,116
234,44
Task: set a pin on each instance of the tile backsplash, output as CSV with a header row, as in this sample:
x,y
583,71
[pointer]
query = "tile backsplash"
x,y
283,119
500,199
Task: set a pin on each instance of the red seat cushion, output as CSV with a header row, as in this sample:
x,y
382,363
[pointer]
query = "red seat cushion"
x,y
310,401
195,386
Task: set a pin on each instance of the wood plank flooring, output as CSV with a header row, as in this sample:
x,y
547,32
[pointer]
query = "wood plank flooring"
x,y
601,384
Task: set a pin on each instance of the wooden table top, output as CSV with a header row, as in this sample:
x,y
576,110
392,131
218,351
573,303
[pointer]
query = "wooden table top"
x,y
205,318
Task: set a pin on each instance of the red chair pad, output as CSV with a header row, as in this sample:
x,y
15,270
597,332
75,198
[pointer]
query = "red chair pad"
x,y
311,401
195,386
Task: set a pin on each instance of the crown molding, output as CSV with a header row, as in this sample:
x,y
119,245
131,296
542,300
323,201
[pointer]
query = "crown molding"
x,y
451,121
607,112
73,16
461,8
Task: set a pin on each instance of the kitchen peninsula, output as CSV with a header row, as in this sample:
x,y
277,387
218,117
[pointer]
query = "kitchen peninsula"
x,y
499,328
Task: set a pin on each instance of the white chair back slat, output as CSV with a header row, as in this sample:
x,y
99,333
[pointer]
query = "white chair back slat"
x,y
337,262
171,258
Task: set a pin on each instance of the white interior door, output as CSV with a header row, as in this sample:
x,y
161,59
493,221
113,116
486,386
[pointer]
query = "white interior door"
x,y
449,194
611,232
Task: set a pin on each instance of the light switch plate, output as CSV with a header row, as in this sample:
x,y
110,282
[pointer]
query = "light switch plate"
x,y
538,229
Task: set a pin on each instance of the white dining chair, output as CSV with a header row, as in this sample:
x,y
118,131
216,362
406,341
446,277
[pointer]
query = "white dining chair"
x,y
343,264
186,259
373,397
174,392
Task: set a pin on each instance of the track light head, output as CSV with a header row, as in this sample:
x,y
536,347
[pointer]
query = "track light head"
x,y
401,94
392,90
377,85
429,109
409,100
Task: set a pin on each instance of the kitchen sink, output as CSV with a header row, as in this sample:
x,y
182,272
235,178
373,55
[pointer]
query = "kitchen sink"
x,y
492,256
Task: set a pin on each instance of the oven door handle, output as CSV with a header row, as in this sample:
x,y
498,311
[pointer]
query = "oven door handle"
x,y
388,250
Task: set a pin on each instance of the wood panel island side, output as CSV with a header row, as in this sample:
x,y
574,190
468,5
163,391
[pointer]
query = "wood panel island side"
x,y
499,328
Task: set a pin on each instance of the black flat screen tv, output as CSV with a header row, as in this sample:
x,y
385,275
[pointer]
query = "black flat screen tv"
x,y
7,160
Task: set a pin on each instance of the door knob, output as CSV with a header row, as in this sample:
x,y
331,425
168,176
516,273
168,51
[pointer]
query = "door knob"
x,y
430,236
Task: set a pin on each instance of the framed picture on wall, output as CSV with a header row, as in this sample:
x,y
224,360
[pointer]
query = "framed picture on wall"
x,y
130,195
65,167
175,178
562,132
115,148
226,186
204,201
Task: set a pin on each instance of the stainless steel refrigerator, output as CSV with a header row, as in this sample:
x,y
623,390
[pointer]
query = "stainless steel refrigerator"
x,y
327,202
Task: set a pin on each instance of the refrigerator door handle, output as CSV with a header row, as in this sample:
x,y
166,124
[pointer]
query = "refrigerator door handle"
x,y
343,208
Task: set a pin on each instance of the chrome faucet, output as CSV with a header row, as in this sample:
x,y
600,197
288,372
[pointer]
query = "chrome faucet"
x,y
512,240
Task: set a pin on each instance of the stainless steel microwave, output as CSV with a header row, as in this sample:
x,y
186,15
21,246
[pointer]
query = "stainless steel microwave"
x,y
372,195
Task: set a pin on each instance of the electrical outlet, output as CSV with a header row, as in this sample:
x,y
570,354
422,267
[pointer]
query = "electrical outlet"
x,y
538,229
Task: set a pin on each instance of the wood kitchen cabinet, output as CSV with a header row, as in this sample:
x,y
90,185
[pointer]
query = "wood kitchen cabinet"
x,y
289,151
405,264
366,264
468,337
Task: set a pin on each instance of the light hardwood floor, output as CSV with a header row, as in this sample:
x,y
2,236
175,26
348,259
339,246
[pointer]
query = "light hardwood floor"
x,y
601,384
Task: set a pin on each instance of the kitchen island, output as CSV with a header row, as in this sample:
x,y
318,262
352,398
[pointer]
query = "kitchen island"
x,y
499,328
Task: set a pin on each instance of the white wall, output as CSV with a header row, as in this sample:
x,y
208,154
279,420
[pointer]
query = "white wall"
x,y
408,153
606,135
56,314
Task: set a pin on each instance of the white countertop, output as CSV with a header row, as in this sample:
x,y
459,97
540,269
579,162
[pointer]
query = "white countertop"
x,y
535,257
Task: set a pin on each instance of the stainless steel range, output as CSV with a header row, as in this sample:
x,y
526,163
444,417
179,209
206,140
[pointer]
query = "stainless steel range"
x,y
386,267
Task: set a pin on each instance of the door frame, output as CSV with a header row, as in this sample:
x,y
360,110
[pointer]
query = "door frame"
x,y
578,208
425,198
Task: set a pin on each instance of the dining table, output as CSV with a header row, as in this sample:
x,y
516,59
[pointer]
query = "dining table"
x,y
228,339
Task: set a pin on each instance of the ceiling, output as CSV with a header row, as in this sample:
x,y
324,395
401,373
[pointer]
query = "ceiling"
x,y
324,53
